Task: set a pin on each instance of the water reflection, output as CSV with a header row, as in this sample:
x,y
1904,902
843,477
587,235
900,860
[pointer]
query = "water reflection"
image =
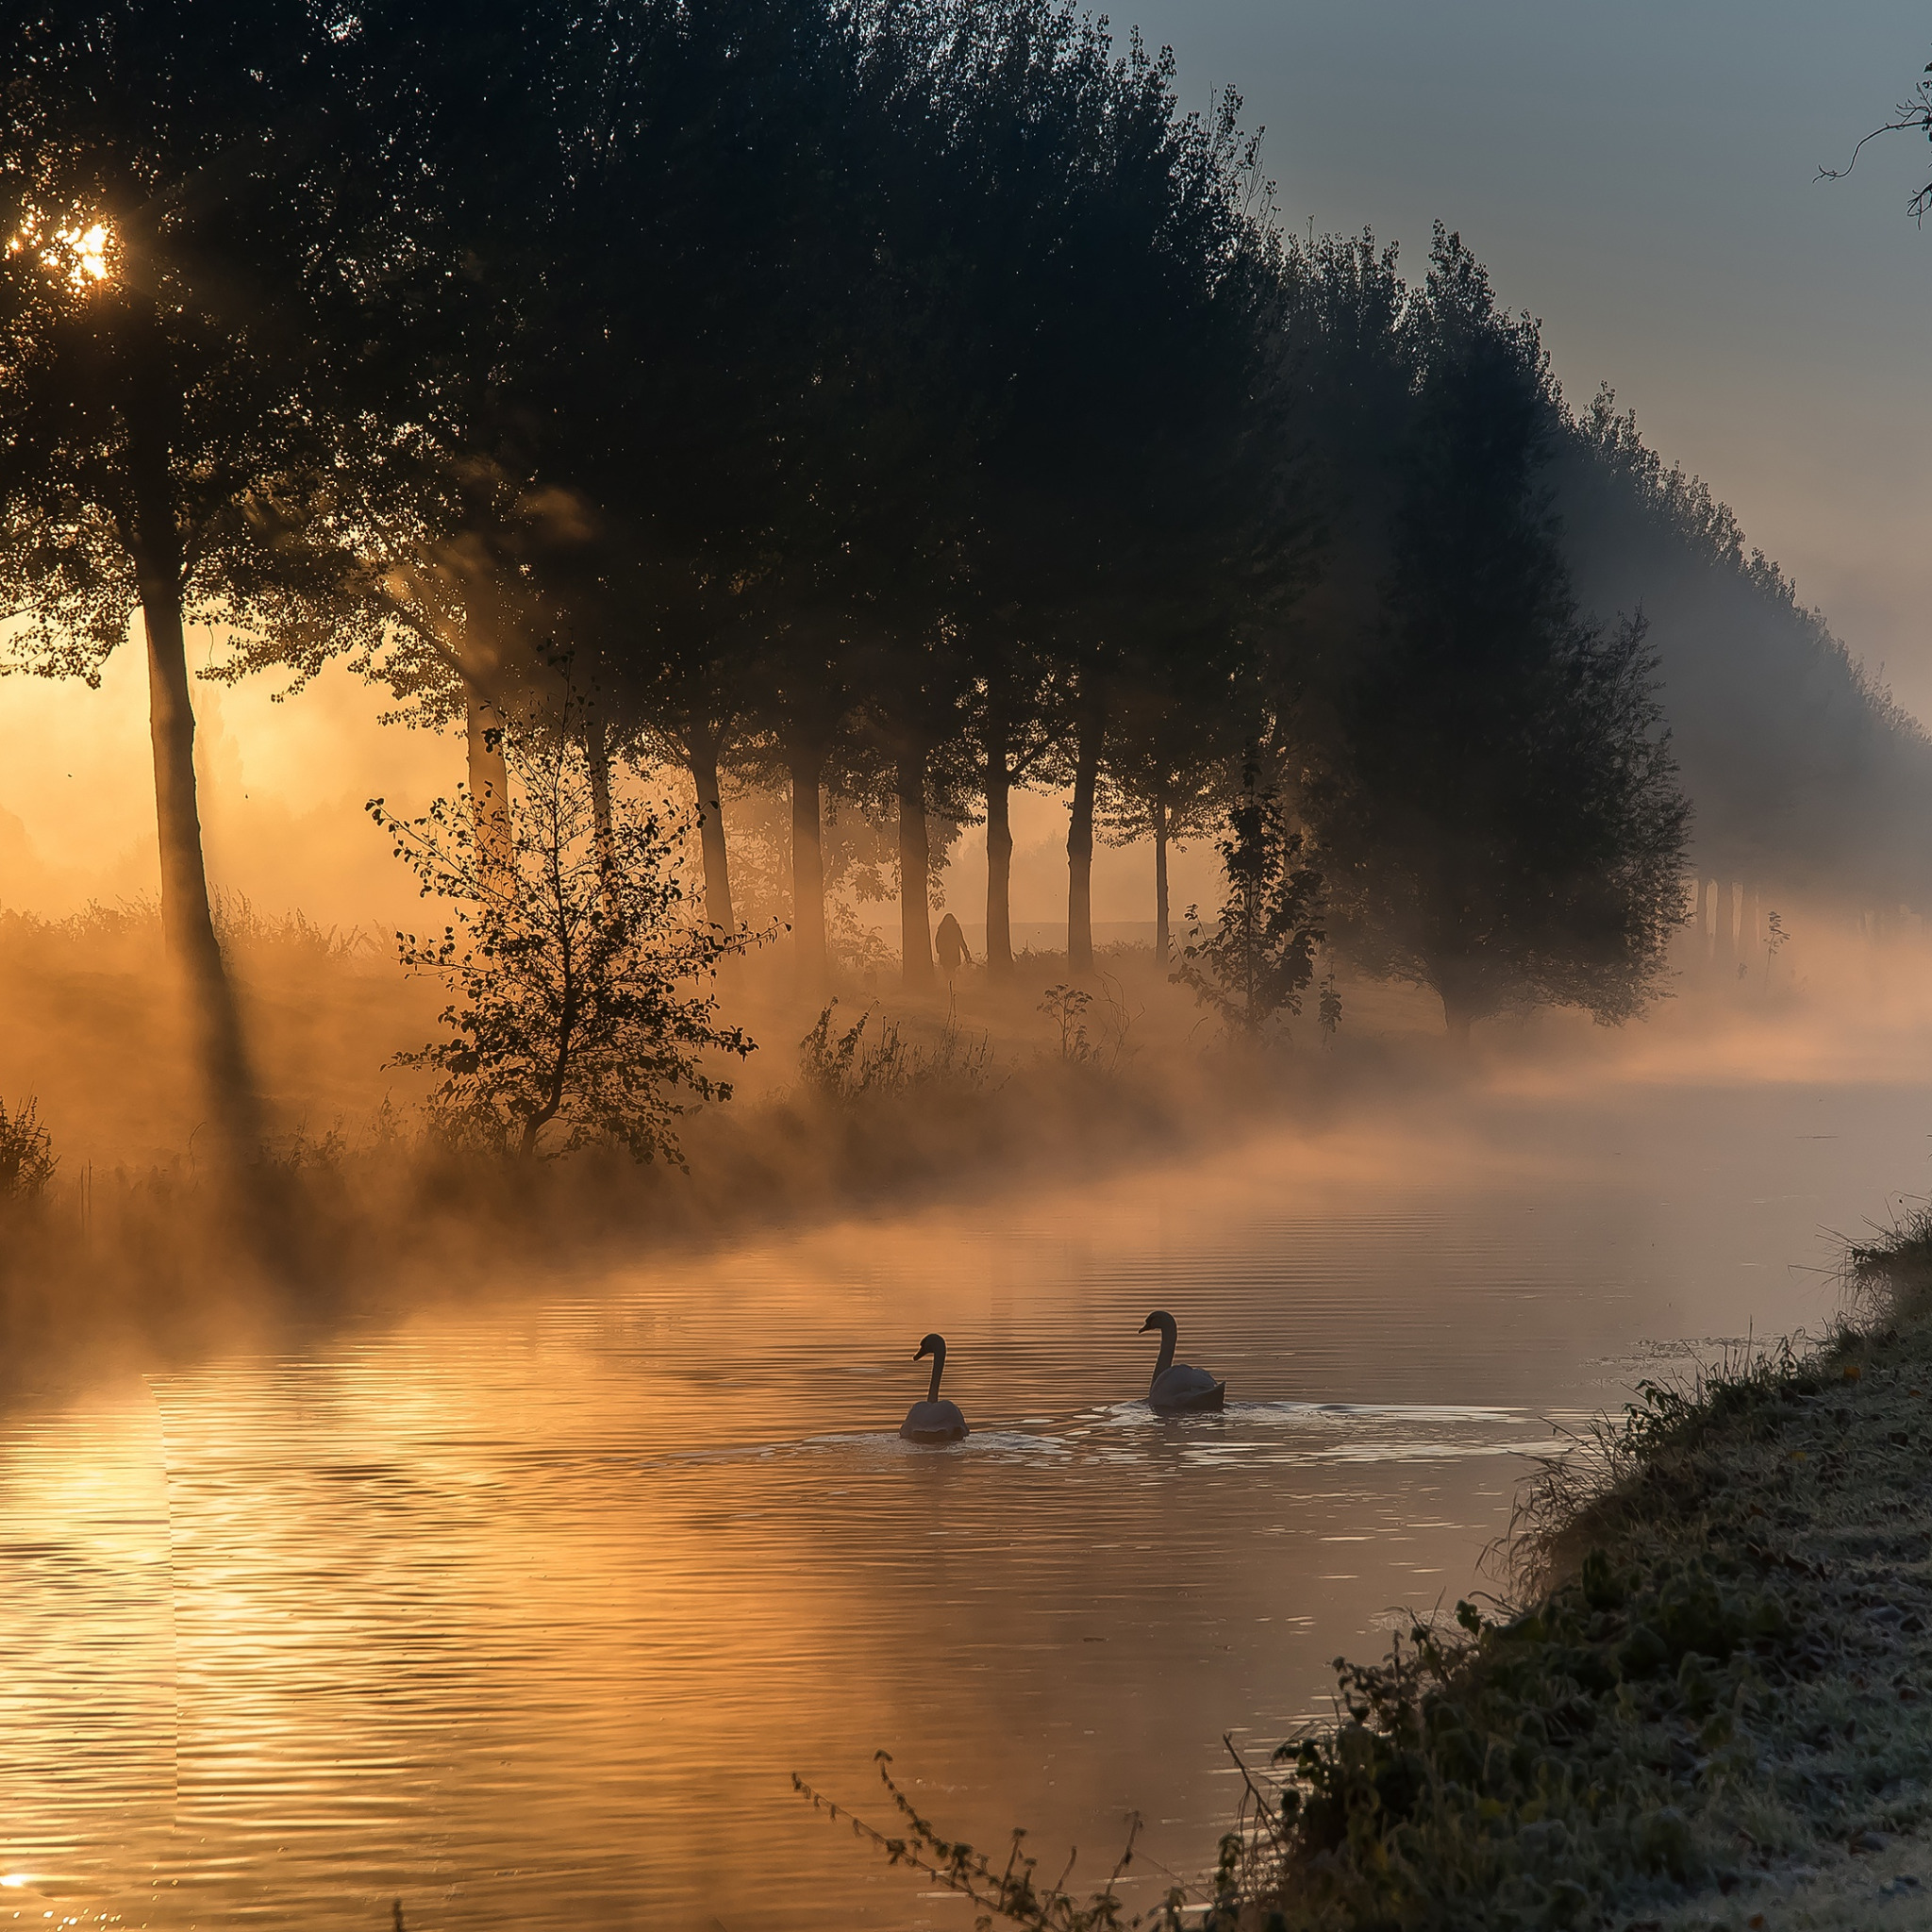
x,y
524,1613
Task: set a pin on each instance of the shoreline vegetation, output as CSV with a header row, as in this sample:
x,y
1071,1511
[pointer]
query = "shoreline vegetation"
x,y
1702,1704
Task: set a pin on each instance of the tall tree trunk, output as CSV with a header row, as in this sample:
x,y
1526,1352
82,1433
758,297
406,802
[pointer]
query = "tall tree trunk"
x,y
703,759
813,964
187,918
1461,1008
489,771
1080,843
915,916
999,852
1724,951
1164,944
603,829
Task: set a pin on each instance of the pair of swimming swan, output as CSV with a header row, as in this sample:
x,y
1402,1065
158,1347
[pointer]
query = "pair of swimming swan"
x,y
1175,1390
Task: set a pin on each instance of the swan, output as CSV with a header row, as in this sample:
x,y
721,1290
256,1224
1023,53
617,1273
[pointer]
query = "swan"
x,y
933,1421
1176,1389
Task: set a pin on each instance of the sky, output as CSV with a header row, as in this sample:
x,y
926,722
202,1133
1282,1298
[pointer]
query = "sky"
x,y
1642,176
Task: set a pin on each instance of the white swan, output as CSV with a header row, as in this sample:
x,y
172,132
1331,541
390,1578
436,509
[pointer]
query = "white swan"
x,y
933,1421
1176,1389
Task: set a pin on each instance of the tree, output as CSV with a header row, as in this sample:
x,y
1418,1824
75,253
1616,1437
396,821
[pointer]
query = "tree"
x,y
1803,769
179,263
1911,116
1261,956
1509,832
1181,721
1015,723
1132,488
570,1025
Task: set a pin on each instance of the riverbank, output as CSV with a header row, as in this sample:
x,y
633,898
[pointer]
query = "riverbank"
x,y
1712,1705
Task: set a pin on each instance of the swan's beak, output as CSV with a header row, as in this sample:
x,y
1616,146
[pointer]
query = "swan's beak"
x,y
1144,1327
919,1354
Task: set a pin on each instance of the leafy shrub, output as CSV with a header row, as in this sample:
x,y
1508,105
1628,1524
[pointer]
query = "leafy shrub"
x,y
581,1000
1260,956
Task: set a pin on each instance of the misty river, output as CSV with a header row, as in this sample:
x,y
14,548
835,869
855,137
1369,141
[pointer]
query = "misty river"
x,y
524,1611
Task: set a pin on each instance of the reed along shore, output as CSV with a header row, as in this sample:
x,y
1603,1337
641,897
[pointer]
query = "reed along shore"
x,y
1712,1705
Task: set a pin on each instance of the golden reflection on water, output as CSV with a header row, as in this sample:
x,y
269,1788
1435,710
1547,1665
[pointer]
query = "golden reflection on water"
x,y
523,1612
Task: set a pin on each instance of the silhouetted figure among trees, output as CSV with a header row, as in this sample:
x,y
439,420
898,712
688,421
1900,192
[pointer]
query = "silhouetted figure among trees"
x,y
950,945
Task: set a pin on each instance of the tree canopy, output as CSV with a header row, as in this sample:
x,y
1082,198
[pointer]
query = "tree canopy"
x,y
893,405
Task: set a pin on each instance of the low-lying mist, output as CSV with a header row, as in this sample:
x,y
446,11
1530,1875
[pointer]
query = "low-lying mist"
x,y
855,1105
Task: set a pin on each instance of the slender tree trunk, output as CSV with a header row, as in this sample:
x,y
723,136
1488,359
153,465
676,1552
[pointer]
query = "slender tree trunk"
x,y
187,918
489,771
1724,952
1459,984
1080,844
703,775
812,961
915,915
597,757
999,853
1163,943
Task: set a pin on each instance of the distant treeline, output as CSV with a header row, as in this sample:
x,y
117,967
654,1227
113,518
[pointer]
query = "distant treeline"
x,y
896,403
1805,774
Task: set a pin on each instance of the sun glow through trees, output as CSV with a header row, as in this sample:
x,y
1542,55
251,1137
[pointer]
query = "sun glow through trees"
x,y
77,255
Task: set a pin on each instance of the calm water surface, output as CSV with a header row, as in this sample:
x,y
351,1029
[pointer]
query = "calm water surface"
x,y
524,1613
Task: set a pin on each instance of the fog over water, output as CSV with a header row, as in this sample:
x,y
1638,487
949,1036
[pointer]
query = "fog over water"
x,y
523,1612
457,1486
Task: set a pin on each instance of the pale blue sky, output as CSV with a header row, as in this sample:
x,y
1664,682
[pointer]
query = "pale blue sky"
x,y
1642,175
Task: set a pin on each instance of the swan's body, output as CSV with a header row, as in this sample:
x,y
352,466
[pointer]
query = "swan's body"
x,y
1176,1389
933,1421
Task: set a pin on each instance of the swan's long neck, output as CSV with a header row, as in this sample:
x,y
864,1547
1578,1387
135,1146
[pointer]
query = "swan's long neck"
x,y
1168,1333
939,1366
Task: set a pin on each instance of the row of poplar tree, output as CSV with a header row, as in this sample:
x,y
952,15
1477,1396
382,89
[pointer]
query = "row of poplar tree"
x,y
893,400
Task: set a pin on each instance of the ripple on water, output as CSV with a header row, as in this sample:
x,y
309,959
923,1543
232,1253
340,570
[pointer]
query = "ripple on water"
x,y
522,1614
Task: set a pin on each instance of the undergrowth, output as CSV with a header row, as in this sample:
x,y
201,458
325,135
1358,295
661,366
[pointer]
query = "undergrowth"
x,y
842,1065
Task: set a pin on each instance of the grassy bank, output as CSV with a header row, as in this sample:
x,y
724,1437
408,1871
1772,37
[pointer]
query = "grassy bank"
x,y
1712,1705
